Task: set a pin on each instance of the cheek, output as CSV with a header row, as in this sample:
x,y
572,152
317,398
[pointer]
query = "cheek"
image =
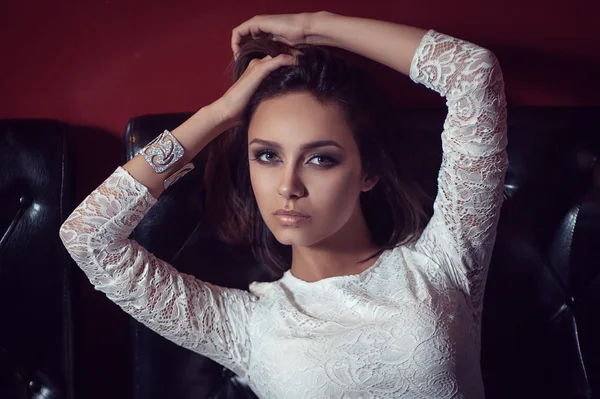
x,y
263,182
335,192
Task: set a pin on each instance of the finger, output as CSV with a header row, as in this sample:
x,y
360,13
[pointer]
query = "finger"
x,y
255,61
236,37
270,65
238,33
255,32
281,39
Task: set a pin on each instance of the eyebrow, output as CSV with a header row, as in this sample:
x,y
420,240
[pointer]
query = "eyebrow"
x,y
307,146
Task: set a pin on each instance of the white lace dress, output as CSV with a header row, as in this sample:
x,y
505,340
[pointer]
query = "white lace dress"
x,y
407,327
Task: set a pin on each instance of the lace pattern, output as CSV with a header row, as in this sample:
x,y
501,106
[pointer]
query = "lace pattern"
x,y
408,328
389,332
208,319
462,231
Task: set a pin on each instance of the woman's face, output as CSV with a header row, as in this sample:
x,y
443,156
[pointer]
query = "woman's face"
x,y
303,157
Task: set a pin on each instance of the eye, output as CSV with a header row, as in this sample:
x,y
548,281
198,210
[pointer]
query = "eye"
x,y
264,156
323,160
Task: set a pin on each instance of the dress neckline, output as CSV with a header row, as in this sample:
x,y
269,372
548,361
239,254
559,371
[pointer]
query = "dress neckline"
x,y
290,278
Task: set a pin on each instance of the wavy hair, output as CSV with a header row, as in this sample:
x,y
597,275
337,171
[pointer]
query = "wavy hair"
x,y
394,209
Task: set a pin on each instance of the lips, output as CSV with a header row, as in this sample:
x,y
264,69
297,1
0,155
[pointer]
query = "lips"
x,y
291,218
283,212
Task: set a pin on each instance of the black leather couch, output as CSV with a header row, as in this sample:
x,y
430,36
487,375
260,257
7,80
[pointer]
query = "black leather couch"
x,y
36,322
541,320
540,323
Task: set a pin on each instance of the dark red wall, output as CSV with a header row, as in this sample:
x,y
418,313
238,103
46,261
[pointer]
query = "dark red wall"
x,y
95,64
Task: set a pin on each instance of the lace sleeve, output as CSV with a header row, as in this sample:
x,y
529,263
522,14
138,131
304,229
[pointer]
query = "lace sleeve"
x,y
462,230
205,318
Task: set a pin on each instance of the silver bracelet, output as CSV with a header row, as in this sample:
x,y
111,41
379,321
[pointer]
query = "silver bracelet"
x,y
185,169
162,152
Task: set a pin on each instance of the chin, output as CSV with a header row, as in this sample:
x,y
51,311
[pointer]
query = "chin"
x,y
291,236
288,238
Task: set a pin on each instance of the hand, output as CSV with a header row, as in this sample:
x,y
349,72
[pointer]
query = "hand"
x,y
232,104
291,29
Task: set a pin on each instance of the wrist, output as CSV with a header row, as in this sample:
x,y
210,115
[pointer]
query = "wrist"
x,y
200,129
315,32
217,113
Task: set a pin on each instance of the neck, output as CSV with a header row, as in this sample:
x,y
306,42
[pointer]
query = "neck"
x,y
338,255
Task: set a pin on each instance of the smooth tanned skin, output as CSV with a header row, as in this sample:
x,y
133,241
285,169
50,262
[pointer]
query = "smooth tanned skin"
x,y
324,182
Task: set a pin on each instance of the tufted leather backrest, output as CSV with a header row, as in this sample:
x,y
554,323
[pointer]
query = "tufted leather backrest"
x,y
542,300
36,187
540,318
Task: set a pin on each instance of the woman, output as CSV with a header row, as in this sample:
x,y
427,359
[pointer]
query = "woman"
x,y
358,314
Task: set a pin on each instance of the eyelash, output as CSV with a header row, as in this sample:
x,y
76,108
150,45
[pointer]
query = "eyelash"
x,y
330,162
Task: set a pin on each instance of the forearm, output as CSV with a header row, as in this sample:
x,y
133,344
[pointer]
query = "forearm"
x,y
388,43
194,134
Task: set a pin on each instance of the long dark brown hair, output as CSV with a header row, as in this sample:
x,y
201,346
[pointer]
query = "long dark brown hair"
x,y
394,209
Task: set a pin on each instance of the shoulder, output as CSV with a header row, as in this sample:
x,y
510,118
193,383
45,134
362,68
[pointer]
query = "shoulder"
x,y
261,288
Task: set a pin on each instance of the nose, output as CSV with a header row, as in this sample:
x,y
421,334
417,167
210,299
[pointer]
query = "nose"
x,y
291,185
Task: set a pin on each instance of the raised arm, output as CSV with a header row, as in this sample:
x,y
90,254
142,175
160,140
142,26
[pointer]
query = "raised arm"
x,y
462,231
461,234
207,319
